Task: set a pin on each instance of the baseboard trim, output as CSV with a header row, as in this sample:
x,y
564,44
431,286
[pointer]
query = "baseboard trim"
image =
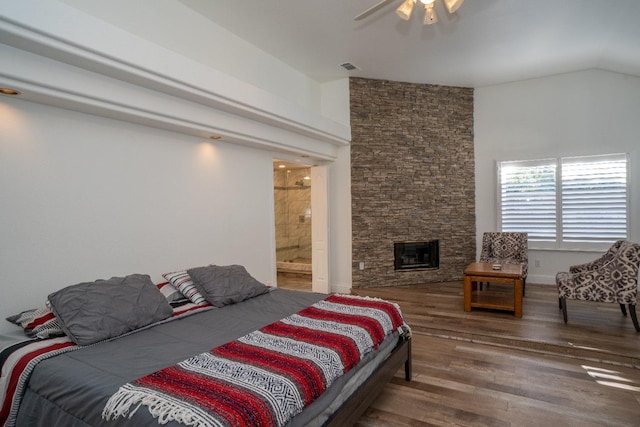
x,y
541,279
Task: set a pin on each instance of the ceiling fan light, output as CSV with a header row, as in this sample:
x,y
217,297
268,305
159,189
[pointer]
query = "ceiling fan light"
x,y
430,16
453,5
405,9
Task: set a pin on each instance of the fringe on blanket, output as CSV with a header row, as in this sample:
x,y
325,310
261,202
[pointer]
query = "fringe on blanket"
x,y
129,398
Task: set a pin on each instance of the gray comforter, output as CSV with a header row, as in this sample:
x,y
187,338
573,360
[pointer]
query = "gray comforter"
x,y
71,389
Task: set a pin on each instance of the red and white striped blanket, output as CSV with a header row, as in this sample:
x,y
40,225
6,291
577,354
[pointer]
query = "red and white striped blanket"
x,y
18,361
268,376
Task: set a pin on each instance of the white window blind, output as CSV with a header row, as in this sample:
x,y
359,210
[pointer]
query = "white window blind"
x,y
528,198
567,201
594,198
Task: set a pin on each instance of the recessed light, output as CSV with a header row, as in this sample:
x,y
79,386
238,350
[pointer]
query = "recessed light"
x,y
282,166
7,91
216,137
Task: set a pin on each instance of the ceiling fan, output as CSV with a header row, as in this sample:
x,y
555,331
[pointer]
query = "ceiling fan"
x,y
406,8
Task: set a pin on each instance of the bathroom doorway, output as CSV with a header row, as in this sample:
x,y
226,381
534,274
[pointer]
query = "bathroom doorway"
x,y
293,219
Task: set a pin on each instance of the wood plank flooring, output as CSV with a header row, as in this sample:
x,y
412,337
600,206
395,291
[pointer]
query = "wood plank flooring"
x,y
487,368
294,281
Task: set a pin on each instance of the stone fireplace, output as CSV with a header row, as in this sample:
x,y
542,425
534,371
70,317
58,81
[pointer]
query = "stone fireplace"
x,y
412,179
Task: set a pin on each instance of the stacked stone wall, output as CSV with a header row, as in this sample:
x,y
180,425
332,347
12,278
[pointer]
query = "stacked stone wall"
x,y
412,178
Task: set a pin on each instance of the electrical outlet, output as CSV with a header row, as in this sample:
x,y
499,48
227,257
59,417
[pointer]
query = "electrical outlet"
x,y
537,263
361,265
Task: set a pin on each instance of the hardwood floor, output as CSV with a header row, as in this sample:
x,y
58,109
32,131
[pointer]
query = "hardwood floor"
x,y
487,368
294,281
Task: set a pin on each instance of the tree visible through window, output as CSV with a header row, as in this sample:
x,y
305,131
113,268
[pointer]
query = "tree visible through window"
x,y
565,201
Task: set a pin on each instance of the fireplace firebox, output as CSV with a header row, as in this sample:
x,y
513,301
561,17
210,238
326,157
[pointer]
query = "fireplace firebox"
x,y
412,255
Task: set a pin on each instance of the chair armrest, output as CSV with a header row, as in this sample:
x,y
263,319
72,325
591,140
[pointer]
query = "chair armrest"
x,y
592,265
601,261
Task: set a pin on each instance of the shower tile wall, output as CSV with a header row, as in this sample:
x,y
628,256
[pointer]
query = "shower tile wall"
x,y
293,229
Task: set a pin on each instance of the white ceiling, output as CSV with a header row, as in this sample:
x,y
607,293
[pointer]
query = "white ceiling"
x,y
485,42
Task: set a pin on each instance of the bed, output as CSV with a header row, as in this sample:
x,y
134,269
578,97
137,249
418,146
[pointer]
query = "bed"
x,y
75,385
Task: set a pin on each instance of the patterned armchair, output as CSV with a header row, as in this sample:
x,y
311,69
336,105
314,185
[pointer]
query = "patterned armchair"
x,y
506,248
611,278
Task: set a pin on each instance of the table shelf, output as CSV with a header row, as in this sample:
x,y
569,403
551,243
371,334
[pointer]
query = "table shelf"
x,y
497,300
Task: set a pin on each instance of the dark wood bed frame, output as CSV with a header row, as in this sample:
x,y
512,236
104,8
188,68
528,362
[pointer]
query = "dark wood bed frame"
x,y
351,410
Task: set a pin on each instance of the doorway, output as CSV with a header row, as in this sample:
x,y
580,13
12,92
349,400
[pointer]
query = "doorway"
x,y
293,218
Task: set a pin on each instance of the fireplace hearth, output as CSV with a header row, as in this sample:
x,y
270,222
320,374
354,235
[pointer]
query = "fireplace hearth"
x,y
416,255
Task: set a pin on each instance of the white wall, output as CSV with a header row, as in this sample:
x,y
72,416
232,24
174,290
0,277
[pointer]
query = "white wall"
x,y
340,235
85,197
202,40
111,189
584,113
335,105
335,101
58,55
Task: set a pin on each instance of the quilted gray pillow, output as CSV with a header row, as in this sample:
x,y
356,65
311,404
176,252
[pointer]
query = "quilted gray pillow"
x,y
223,285
95,311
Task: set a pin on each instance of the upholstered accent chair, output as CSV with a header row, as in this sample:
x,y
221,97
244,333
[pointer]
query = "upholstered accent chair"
x,y
612,278
506,248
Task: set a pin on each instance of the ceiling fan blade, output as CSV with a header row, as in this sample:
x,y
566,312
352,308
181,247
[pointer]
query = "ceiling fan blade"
x,y
372,9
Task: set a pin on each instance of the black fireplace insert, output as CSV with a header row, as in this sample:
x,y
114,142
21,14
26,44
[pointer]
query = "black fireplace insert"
x,y
411,255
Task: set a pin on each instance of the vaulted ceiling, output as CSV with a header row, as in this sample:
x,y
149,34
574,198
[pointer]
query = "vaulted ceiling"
x,y
485,42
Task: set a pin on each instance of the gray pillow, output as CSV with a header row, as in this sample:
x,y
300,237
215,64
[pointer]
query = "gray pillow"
x,y
95,311
223,285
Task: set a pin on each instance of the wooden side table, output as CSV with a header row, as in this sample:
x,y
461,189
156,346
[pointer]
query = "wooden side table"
x,y
482,272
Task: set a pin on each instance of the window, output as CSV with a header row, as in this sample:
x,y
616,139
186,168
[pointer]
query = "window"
x,y
528,199
566,202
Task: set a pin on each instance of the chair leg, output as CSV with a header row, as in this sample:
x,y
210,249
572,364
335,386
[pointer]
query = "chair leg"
x,y
524,284
624,310
632,310
563,305
560,303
